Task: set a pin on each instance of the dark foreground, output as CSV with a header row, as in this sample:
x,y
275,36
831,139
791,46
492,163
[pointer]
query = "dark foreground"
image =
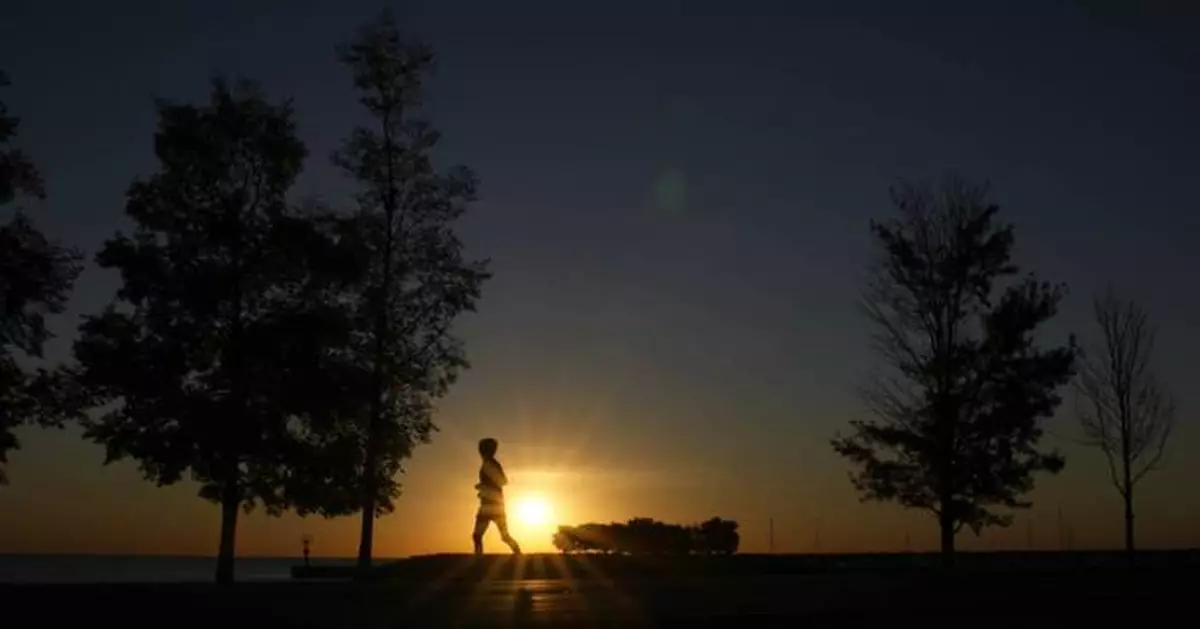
x,y
500,592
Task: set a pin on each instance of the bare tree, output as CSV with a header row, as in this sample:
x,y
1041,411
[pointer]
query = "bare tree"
x,y
1123,408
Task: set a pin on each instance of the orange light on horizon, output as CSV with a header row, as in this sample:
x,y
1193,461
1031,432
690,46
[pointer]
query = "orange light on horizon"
x,y
533,519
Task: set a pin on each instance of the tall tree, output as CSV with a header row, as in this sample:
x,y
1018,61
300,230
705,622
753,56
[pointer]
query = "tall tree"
x,y
416,280
956,413
207,357
36,275
1123,408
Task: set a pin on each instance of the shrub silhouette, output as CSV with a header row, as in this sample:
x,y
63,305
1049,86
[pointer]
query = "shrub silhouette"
x,y
646,536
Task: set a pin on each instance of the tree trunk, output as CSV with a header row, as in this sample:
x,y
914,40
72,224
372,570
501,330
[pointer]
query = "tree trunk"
x,y
945,467
1129,521
367,530
946,524
1127,494
371,453
382,326
230,501
366,534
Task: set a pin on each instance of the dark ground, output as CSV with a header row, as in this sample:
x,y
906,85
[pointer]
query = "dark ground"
x,y
994,590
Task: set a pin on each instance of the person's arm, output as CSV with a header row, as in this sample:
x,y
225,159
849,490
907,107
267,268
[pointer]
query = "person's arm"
x,y
496,471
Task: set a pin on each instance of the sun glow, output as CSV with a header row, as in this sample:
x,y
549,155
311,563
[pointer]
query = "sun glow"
x,y
533,512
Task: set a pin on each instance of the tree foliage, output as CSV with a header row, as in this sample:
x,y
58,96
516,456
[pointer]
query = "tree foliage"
x,y
36,275
957,413
1123,408
645,536
415,280
218,344
18,175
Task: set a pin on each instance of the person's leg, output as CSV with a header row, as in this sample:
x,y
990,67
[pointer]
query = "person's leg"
x,y
502,524
481,525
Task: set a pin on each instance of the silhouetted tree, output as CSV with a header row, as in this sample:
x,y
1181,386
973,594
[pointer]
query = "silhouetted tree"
x,y
716,536
1123,408
591,537
417,281
36,275
210,352
566,540
957,420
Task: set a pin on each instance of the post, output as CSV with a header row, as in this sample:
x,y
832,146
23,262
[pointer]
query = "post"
x,y
1062,541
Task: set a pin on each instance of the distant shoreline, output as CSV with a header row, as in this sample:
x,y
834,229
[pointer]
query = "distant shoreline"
x,y
186,556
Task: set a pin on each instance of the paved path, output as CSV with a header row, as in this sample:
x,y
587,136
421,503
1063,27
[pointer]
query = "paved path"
x,y
628,603
1014,601
785,600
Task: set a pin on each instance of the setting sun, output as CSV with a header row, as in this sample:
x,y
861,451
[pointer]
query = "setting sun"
x,y
533,512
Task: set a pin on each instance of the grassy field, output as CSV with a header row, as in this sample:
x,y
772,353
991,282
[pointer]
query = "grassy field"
x,y
1046,590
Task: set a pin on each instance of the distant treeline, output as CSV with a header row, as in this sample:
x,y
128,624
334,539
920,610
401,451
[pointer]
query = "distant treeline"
x,y
646,536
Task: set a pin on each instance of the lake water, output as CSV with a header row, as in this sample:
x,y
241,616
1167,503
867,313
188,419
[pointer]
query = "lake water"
x,y
143,569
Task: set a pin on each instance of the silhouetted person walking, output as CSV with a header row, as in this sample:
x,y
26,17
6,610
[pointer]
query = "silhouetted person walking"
x,y
491,497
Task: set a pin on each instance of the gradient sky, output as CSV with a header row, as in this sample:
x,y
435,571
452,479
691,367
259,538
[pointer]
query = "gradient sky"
x,y
675,198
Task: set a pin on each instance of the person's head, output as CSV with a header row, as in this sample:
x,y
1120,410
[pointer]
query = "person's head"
x,y
488,447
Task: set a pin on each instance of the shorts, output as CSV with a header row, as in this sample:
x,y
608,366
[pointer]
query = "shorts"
x,y
490,512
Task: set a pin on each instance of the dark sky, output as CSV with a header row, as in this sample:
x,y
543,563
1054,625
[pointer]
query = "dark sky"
x,y
675,199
